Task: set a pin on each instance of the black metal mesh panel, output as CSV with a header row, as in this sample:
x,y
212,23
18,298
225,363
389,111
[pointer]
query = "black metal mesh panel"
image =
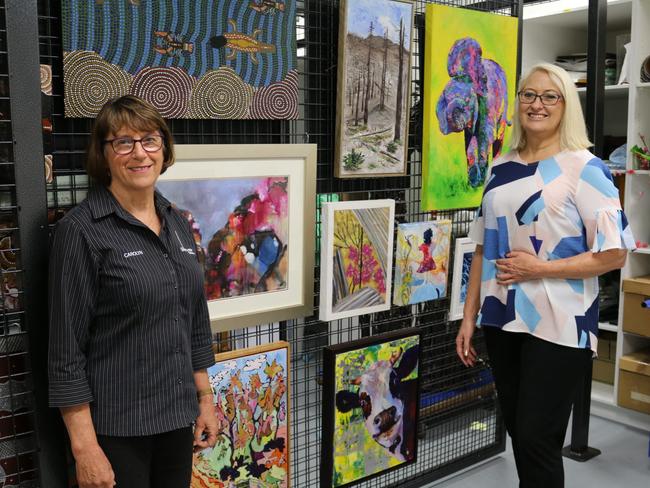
x,y
17,442
459,424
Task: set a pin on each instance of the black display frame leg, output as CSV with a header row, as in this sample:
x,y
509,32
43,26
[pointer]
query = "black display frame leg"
x,y
579,449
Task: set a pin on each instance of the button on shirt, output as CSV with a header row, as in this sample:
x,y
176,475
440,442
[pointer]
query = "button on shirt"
x,y
129,321
556,208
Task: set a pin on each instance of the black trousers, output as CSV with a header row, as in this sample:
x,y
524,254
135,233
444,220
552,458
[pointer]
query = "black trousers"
x,y
155,461
536,381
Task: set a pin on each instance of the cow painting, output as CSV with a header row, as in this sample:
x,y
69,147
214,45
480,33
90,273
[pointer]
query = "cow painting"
x,y
387,400
370,408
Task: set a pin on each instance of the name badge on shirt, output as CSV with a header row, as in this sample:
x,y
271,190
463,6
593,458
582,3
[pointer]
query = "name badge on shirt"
x,y
133,253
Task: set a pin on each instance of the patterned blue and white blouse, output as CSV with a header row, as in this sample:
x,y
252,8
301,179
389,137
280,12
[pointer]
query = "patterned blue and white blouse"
x,y
556,208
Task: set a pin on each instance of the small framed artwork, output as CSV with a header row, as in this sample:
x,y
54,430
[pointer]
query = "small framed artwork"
x,y
356,257
252,210
374,94
370,407
463,255
421,261
252,403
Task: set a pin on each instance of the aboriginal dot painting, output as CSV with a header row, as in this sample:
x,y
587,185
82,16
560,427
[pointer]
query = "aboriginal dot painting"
x,y
192,59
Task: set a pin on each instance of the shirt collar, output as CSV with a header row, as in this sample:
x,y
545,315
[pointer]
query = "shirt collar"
x,y
102,203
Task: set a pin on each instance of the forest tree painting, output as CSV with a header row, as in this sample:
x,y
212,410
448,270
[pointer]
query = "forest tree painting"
x,y
251,396
356,257
373,87
370,407
196,59
469,90
241,230
421,262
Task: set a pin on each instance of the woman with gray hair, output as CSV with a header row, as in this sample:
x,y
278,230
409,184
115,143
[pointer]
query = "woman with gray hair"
x,y
550,222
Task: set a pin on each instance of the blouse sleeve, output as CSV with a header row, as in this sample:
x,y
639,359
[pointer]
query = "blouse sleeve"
x,y
599,206
72,286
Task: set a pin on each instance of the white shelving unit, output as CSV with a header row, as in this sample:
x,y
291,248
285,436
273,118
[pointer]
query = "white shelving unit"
x,y
560,28
637,183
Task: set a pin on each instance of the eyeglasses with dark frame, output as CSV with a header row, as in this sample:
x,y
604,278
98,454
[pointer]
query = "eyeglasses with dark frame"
x,y
547,98
126,145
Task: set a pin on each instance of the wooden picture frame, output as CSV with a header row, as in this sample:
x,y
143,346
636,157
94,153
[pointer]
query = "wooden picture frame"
x,y
356,257
265,369
463,254
383,150
210,182
352,397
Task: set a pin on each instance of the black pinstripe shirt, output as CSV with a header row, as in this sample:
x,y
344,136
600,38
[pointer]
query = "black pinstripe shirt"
x,y
128,318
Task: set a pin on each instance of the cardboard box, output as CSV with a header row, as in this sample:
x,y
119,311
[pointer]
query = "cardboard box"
x,y
603,371
634,391
607,345
636,362
634,381
636,317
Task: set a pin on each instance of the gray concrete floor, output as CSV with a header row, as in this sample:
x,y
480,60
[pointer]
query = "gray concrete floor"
x,y
624,462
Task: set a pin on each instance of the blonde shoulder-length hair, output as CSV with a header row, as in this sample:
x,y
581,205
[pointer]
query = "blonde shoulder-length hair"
x,y
573,131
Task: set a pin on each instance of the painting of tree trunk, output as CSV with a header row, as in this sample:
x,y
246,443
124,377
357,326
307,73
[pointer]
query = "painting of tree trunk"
x,y
356,257
375,40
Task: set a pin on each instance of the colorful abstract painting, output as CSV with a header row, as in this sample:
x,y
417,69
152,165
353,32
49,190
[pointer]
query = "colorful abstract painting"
x,y
241,230
356,257
251,396
252,208
464,252
469,90
374,92
421,262
196,59
370,407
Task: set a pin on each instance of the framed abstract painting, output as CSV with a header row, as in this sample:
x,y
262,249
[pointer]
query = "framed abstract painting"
x,y
370,407
463,254
469,92
374,87
421,261
192,59
252,210
356,257
253,405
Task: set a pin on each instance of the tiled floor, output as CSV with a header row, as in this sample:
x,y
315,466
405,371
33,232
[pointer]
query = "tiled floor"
x,y
624,462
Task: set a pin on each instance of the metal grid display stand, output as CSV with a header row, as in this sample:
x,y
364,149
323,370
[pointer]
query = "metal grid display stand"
x,y
456,430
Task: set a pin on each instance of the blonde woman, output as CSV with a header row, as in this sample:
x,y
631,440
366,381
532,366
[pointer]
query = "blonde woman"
x,y
549,223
